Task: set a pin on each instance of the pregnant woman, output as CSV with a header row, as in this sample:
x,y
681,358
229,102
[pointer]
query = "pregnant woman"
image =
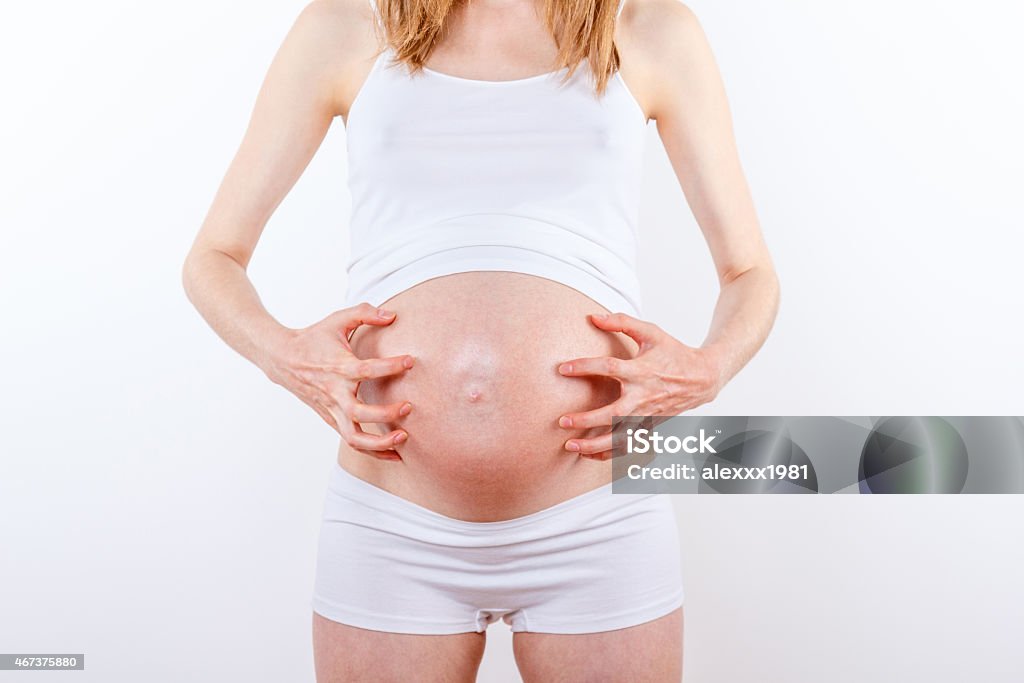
x,y
492,325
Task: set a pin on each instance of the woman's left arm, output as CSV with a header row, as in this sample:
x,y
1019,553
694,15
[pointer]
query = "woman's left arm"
x,y
686,97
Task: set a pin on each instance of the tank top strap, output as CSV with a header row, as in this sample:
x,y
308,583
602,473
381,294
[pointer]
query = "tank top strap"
x,y
530,175
622,3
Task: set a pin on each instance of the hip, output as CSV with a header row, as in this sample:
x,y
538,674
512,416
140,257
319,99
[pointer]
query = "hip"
x,y
594,562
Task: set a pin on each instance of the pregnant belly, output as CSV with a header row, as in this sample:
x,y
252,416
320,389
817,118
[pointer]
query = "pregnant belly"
x,y
484,442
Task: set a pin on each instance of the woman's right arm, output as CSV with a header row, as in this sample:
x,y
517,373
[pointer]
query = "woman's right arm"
x,y
306,86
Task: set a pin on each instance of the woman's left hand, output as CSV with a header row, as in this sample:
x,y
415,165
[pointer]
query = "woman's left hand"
x,y
665,378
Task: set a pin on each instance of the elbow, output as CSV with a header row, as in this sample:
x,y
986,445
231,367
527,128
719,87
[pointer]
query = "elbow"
x,y
204,262
776,293
771,283
193,269
764,273
763,269
774,287
188,273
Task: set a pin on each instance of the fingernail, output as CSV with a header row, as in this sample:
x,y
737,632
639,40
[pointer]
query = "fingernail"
x,y
572,446
600,316
382,313
565,421
407,362
406,409
401,437
565,368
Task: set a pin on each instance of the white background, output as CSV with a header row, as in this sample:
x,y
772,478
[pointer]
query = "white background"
x,y
159,498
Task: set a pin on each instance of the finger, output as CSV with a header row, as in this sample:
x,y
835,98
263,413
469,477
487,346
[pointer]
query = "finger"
x,y
380,455
347,320
604,455
330,419
593,446
357,438
640,331
599,417
603,366
359,369
361,412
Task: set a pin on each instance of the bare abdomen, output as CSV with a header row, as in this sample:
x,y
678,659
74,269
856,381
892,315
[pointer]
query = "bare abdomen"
x,y
484,441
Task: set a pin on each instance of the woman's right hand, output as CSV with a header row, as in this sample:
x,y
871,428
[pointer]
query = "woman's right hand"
x,y
317,364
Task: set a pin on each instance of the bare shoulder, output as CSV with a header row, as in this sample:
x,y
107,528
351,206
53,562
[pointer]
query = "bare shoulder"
x,y
342,22
664,43
334,42
662,26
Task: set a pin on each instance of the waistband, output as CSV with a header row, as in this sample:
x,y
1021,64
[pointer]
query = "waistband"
x,y
345,484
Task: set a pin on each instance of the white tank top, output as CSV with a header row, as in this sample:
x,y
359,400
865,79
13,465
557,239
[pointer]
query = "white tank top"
x,y
450,174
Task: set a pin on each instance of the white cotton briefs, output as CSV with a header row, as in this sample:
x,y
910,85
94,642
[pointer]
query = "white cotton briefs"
x,y
596,562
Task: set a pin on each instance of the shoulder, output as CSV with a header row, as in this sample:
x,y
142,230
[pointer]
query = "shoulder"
x,y
330,42
334,10
335,26
663,43
663,27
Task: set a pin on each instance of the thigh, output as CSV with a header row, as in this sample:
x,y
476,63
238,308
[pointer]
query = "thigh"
x,y
346,654
651,652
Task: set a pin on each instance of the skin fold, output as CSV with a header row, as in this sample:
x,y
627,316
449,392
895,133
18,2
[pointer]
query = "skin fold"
x,y
487,395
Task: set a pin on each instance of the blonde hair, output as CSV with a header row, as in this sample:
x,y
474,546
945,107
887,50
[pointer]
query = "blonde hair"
x,y
581,29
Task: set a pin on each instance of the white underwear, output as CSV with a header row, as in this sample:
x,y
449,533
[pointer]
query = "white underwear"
x,y
596,562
